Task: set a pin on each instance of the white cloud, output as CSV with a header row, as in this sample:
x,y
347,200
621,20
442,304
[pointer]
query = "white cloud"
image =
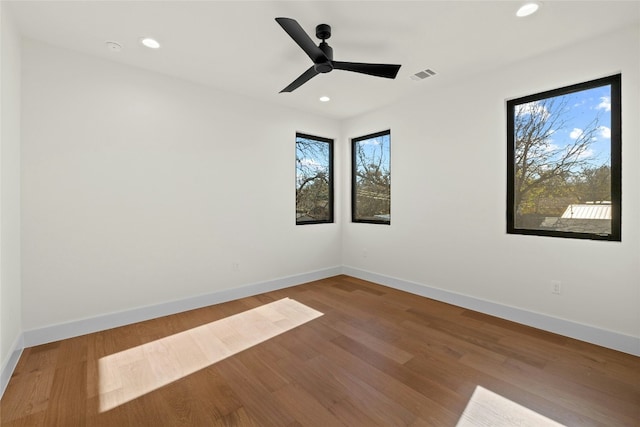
x,y
586,154
310,162
532,108
576,133
604,132
605,103
374,141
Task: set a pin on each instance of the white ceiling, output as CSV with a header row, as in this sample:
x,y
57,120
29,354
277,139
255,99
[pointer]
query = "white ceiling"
x,y
237,46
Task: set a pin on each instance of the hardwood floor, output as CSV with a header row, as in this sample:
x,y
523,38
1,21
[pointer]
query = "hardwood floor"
x,y
376,357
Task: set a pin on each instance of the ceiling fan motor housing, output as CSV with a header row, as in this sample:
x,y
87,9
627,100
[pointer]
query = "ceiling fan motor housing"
x,y
323,31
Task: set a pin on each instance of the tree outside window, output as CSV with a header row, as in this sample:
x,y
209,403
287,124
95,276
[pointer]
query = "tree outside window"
x,y
314,179
371,178
564,162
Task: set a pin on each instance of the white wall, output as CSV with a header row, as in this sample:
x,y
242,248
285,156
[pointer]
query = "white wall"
x,y
448,226
140,189
10,292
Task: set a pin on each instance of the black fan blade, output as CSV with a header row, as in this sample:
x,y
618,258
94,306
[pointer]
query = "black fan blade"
x,y
380,70
304,77
299,36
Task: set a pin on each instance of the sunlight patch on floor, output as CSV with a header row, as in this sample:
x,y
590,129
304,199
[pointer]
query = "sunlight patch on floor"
x,y
132,373
486,408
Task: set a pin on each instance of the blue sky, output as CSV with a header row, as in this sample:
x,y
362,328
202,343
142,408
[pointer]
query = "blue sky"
x,y
581,108
584,106
315,156
375,147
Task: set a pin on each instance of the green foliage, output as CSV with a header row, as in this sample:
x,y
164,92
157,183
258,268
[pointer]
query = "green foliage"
x,y
594,184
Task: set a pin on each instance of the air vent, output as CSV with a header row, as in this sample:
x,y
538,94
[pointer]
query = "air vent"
x,y
421,75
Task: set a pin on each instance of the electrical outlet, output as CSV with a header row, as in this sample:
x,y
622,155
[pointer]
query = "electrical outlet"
x,y
364,253
235,266
556,287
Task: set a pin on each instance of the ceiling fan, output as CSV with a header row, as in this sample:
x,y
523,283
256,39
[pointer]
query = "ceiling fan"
x,y
322,56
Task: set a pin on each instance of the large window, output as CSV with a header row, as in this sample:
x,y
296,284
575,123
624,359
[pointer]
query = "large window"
x,y
564,157
314,179
371,178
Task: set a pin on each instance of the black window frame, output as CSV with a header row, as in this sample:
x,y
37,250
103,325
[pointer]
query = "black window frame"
x,y
354,142
615,81
330,142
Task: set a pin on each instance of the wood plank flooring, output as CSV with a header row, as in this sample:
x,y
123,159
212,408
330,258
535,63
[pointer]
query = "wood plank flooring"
x,y
376,357
132,373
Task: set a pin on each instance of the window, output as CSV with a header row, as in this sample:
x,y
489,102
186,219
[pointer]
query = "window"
x,y
371,178
314,179
564,157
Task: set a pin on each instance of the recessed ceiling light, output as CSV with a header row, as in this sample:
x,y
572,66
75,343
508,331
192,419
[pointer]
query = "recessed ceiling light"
x,y
325,99
527,9
150,43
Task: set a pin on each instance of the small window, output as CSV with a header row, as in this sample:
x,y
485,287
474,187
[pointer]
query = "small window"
x,y
314,179
371,178
564,157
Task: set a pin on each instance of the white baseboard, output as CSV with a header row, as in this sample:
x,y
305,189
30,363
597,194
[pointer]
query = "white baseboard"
x,y
112,320
602,337
625,343
10,364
